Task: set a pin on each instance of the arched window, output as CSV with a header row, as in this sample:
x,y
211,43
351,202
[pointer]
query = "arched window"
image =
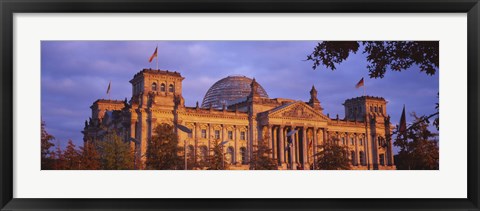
x,y
352,156
362,158
162,87
230,155
203,153
154,86
190,151
170,88
376,109
243,154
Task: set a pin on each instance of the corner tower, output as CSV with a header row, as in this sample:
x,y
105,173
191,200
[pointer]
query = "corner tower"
x,y
156,87
357,108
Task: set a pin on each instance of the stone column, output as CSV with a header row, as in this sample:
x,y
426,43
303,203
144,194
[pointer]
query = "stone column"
x,y
293,153
209,136
281,143
304,147
195,149
315,144
375,153
223,138
325,136
297,147
357,157
269,139
235,136
274,142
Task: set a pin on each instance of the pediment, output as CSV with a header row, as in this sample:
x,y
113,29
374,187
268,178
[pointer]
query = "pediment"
x,y
297,110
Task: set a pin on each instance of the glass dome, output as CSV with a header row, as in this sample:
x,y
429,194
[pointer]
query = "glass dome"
x,y
228,90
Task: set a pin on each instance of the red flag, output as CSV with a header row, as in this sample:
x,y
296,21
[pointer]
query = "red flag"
x,y
359,84
403,122
153,55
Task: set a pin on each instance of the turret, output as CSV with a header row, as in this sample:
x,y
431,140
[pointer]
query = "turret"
x,y
314,102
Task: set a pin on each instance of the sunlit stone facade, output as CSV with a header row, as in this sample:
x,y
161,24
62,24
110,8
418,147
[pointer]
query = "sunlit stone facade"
x,y
157,98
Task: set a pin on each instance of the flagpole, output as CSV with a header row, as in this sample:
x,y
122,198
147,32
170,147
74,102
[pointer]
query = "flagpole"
x,y
157,56
364,88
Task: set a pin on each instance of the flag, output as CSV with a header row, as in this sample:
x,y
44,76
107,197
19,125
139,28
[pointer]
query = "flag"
x,y
359,84
108,89
403,122
153,55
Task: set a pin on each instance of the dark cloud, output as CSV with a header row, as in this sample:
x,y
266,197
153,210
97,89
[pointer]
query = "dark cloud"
x,y
76,73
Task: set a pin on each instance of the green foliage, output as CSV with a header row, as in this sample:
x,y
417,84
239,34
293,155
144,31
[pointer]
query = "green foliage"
x,y
115,154
46,155
216,159
72,157
418,147
162,149
89,157
332,156
58,159
261,159
381,55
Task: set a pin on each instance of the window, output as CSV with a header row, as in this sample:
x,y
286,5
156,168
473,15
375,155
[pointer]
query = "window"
x,y
204,133
376,109
230,135
162,87
360,141
362,158
243,154
242,135
381,109
170,88
352,157
343,141
230,155
203,153
382,159
217,134
352,141
154,86
371,109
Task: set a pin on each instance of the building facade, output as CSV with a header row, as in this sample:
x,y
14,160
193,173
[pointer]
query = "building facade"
x,y
238,110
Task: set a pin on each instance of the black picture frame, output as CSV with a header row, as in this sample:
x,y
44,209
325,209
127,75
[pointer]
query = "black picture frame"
x,y
10,7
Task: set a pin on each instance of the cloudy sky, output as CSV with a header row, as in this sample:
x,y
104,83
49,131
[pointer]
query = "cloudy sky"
x,y
76,73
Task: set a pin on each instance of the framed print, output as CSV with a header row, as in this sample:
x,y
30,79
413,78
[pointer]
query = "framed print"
x,y
239,105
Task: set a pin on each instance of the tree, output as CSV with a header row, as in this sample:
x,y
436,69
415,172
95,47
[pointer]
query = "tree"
x,y
216,159
381,55
162,149
418,147
46,144
89,157
332,156
115,154
71,156
58,159
261,159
